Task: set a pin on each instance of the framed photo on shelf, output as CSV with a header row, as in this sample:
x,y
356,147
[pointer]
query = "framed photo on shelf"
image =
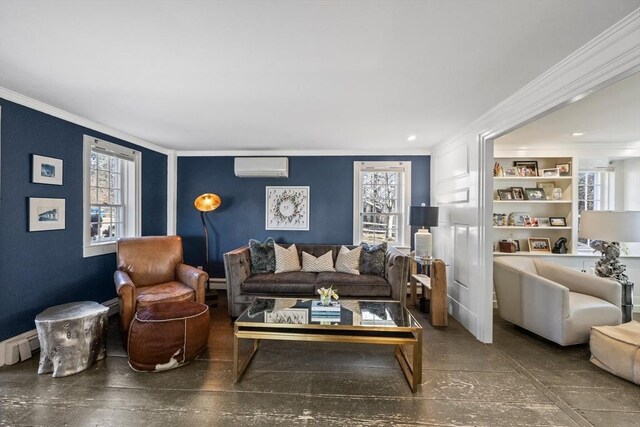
x,y
518,219
534,194
539,244
557,221
547,186
550,172
518,193
499,219
287,208
526,167
46,170
509,171
543,222
46,214
505,194
565,169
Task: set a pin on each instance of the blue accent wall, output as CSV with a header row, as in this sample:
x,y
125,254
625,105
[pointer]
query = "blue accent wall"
x,y
241,215
45,268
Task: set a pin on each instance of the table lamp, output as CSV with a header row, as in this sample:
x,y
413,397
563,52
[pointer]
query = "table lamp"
x,y
206,202
423,217
606,229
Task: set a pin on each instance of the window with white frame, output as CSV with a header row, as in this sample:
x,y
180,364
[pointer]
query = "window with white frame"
x,y
382,193
111,195
596,192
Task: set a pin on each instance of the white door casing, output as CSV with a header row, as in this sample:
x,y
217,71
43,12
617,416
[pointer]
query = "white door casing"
x,y
464,197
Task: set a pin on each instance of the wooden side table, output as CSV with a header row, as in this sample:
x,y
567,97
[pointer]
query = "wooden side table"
x,y
437,287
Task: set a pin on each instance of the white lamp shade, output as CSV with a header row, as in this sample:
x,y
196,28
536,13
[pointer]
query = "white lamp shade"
x,y
610,226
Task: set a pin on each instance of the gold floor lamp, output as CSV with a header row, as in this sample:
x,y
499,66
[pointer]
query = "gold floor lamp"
x,y
207,202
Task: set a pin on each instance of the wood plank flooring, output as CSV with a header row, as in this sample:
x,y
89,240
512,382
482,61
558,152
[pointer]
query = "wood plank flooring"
x,y
519,380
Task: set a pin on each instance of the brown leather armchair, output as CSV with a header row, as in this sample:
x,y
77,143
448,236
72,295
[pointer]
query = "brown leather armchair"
x,y
150,270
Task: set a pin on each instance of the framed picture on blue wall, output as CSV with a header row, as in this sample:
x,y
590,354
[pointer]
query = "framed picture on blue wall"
x,y
46,214
46,170
287,208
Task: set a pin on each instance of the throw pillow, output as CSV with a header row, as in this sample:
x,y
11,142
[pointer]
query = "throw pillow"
x,y
263,256
372,259
286,258
348,261
319,264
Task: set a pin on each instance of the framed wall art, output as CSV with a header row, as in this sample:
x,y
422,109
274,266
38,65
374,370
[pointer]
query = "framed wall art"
x,y
46,214
46,170
287,208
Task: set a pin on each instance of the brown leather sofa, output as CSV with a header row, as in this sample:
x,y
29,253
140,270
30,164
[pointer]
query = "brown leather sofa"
x,y
243,287
151,270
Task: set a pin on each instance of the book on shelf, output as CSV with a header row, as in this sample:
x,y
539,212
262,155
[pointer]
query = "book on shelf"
x,y
332,319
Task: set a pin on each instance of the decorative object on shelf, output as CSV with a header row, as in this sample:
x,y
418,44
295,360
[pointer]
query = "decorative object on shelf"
x,y
534,193
557,221
565,169
46,170
507,246
207,202
543,222
287,208
46,214
497,169
533,222
539,244
505,194
326,294
547,187
499,219
526,167
606,229
518,193
423,217
550,172
560,246
510,171
518,219
556,194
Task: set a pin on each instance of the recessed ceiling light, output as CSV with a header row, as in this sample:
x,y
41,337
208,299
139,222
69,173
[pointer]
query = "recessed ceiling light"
x,y
577,134
411,138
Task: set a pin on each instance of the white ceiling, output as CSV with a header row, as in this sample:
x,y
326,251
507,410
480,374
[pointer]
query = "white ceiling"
x,y
343,76
611,115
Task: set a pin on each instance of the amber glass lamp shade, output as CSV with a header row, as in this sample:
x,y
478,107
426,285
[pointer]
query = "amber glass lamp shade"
x,y
207,202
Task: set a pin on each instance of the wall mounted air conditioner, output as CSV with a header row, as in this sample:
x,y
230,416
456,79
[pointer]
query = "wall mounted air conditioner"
x,y
261,167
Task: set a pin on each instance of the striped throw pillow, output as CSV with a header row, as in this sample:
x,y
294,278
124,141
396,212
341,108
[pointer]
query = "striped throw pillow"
x,y
319,264
286,258
349,260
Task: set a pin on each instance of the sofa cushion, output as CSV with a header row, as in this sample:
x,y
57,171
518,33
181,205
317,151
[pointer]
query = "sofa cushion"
x,y
350,285
587,311
372,258
286,258
317,264
263,256
349,260
291,283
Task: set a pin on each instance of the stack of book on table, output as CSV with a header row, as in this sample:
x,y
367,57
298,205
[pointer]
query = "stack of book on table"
x,y
321,313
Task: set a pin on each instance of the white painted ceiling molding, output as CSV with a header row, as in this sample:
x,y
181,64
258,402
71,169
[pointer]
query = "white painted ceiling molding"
x,y
294,153
18,98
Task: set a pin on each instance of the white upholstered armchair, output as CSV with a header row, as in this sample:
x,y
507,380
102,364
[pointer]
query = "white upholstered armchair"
x,y
553,301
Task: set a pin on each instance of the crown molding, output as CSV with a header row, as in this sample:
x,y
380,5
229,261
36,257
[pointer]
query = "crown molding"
x,y
34,104
294,153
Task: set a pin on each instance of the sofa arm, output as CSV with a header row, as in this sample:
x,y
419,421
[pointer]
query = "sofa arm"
x,y
194,278
580,282
396,271
237,267
126,291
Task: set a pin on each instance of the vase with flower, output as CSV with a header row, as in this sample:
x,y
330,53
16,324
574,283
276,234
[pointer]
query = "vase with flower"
x,y
326,294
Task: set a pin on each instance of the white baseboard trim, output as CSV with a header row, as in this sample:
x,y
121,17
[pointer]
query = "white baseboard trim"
x,y
20,347
219,284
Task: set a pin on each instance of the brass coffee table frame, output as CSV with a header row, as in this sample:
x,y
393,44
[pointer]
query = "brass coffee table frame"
x,y
401,337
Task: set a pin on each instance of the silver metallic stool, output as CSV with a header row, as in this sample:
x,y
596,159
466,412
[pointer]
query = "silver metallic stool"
x,y
72,337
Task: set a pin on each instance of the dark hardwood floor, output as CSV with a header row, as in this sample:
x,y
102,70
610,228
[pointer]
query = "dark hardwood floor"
x,y
519,380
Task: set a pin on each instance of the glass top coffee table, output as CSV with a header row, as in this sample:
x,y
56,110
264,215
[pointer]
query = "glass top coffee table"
x,y
369,322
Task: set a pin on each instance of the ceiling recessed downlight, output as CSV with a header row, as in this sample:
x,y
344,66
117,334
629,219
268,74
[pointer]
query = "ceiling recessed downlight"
x,y
577,134
411,138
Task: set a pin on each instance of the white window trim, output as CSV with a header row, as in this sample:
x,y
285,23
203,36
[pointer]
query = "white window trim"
x,y
89,249
404,228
